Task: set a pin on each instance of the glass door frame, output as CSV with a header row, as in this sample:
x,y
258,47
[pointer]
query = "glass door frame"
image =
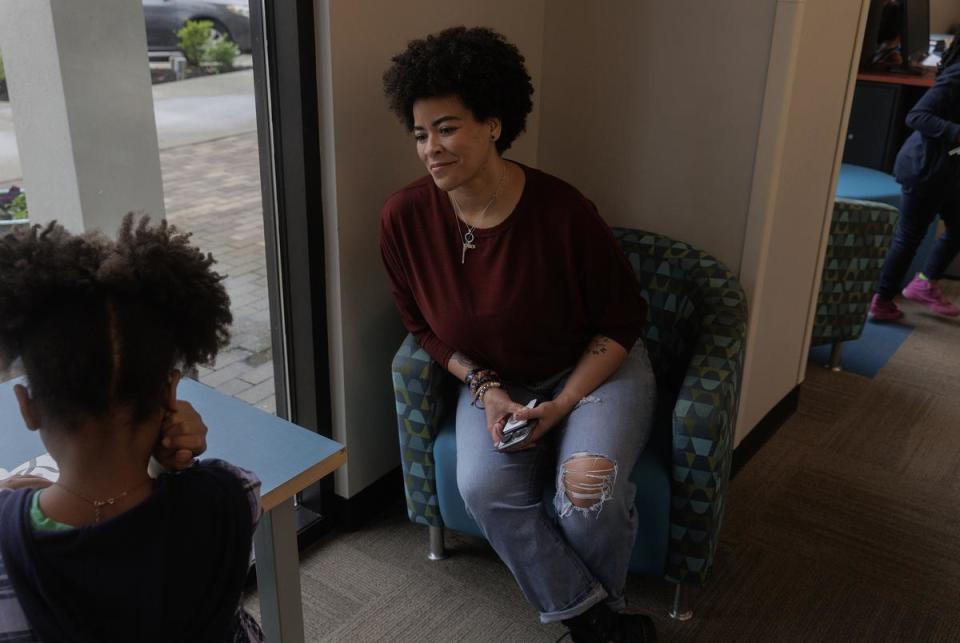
x,y
288,128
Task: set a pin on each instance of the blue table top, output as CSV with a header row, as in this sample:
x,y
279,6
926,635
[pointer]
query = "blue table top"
x,y
286,457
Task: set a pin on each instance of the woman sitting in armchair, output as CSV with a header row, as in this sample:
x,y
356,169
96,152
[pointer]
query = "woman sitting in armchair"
x,y
509,278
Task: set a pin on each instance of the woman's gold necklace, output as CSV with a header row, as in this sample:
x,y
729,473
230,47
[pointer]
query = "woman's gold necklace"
x,y
468,238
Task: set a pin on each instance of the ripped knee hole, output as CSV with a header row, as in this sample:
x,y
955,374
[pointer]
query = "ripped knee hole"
x,y
587,480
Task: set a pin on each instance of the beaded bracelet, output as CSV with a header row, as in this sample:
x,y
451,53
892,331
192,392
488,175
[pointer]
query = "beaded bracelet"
x,y
480,381
478,373
479,376
481,391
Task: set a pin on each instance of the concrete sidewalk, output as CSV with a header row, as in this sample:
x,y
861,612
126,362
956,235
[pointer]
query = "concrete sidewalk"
x,y
187,111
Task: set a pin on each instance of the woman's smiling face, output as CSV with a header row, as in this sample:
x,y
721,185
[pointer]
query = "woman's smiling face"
x,y
452,144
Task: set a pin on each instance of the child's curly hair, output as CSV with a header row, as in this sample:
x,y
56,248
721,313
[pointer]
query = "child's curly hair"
x,y
100,324
478,65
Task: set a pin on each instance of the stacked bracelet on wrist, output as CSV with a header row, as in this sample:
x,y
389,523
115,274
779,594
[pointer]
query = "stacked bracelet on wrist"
x,y
481,380
481,391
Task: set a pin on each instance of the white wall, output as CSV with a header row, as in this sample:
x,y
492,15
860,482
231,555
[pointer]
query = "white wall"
x,y
812,76
943,14
367,154
653,110
718,124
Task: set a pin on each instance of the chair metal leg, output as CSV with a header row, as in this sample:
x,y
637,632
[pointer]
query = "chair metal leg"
x,y
681,611
437,550
835,353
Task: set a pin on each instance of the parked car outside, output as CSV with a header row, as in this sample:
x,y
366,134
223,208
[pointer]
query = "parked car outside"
x,y
230,18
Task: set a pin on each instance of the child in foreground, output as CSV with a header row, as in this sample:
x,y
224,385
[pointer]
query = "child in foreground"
x,y
108,553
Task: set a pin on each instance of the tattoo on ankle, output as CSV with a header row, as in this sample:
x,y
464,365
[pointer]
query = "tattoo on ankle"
x,y
598,345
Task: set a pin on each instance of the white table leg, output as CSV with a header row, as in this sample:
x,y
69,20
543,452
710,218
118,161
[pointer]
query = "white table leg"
x,y
278,575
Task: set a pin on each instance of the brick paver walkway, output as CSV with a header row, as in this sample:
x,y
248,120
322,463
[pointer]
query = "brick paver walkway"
x,y
212,189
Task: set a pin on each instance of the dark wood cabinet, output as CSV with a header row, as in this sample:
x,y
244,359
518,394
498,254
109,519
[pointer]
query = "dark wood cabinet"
x,y
877,128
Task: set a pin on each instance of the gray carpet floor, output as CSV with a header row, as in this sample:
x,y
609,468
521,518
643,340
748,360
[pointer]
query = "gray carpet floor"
x,y
844,527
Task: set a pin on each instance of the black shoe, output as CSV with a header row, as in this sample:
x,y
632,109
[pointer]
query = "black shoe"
x,y
596,625
601,625
636,627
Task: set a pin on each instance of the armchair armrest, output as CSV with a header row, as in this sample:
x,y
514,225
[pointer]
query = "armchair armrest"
x,y
704,420
417,383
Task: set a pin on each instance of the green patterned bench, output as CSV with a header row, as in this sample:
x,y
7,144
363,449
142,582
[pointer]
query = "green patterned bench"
x,y
696,335
860,235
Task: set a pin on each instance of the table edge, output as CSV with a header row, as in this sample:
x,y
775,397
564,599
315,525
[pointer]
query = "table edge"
x,y
298,483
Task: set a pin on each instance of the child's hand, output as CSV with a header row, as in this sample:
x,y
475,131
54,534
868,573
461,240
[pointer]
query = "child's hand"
x,y
24,482
183,436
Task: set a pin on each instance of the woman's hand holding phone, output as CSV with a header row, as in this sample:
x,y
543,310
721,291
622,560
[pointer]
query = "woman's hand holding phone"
x,y
517,432
499,409
545,416
542,418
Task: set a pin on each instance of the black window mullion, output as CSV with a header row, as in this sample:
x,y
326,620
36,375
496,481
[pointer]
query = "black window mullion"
x,y
288,126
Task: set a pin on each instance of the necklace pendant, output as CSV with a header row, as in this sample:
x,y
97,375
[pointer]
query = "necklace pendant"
x,y
466,246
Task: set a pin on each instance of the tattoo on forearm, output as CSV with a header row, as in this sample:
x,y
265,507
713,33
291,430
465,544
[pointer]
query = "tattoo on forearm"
x,y
598,345
464,361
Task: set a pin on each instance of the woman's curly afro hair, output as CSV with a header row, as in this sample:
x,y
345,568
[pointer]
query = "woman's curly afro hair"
x,y
100,324
477,65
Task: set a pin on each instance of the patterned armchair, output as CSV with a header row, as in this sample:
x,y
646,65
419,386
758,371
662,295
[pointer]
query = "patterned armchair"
x,y
860,234
696,338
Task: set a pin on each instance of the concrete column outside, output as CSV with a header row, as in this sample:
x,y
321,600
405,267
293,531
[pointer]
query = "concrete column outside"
x,y
79,84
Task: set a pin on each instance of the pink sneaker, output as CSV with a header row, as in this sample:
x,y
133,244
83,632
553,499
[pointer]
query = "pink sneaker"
x,y
882,310
928,292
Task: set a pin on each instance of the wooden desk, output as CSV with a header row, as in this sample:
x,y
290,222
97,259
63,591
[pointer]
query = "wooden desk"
x,y
287,459
926,80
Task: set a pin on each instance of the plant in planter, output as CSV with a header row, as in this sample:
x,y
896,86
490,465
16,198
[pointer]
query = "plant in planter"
x,y
221,52
13,207
204,53
193,39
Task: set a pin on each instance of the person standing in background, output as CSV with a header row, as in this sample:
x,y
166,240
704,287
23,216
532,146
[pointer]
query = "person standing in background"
x,y
929,174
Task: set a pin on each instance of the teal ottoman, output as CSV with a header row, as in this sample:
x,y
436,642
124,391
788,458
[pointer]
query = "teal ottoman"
x,y
864,184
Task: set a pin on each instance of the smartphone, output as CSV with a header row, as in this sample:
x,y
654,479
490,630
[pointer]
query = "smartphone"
x,y
516,433
517,438
514,425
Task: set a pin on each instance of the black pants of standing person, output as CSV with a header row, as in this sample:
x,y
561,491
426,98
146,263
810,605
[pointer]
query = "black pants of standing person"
x,y
918,209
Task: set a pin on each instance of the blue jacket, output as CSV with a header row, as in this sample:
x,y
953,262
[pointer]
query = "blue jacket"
x,y
923,162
